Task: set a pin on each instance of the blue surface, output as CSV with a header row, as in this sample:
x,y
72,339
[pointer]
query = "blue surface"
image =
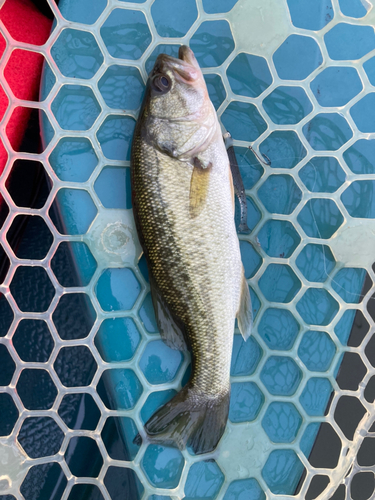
x,y
253,213
111,292
212,43
176,21
147,315
283,148
203,482
160,363
245,489
352,8
310,15
281,375
279,283
115,136
64,267
327,132
77,54
68,152
320,218
122,87
250,168
280,194
341,329
126,34
246,402
164,472
360,157
309,434
317,307
369,67
113,187
117,339
155,401
249,75
316,351
278,328
278,238
359,199
244,121
118,435
84,11
216,6
297,57
315,262
315,397
75,107
216,89
346,281
361,113
245,356
123,387
70,202
348,42
282,471
250,258
322,174
281,422
344,80
287,105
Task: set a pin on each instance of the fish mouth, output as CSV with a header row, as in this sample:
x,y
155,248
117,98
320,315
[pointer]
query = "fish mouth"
x,y
186,54
185,68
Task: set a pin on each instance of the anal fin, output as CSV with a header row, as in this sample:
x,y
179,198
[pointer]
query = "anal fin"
x,y
244,313
170,332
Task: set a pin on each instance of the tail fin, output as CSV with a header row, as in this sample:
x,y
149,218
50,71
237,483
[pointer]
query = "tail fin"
x,y
190,419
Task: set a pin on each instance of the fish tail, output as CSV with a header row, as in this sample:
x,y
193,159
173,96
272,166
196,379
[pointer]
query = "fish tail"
x,y
191,419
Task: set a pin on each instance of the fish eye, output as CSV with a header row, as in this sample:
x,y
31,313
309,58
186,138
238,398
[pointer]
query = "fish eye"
x,y
161,83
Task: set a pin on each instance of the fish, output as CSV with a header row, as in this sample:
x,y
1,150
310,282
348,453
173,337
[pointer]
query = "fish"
x,y
183,203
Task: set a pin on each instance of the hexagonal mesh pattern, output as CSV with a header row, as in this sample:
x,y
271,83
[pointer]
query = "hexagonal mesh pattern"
x,y
292,79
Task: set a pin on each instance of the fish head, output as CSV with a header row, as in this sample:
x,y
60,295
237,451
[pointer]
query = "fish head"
x,y
176,87
178,117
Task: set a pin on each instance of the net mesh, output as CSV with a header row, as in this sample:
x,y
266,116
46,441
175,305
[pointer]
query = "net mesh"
x,y
293,79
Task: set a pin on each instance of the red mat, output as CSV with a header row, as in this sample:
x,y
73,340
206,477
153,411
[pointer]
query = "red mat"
x,y
23,70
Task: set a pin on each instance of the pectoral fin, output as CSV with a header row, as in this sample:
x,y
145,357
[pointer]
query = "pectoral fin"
x,y
199,187
244,313
170,332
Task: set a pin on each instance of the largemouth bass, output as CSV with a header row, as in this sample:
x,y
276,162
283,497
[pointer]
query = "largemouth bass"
x,y
183,199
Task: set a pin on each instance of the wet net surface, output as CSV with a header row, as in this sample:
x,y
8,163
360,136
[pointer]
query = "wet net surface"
x,y
82,363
